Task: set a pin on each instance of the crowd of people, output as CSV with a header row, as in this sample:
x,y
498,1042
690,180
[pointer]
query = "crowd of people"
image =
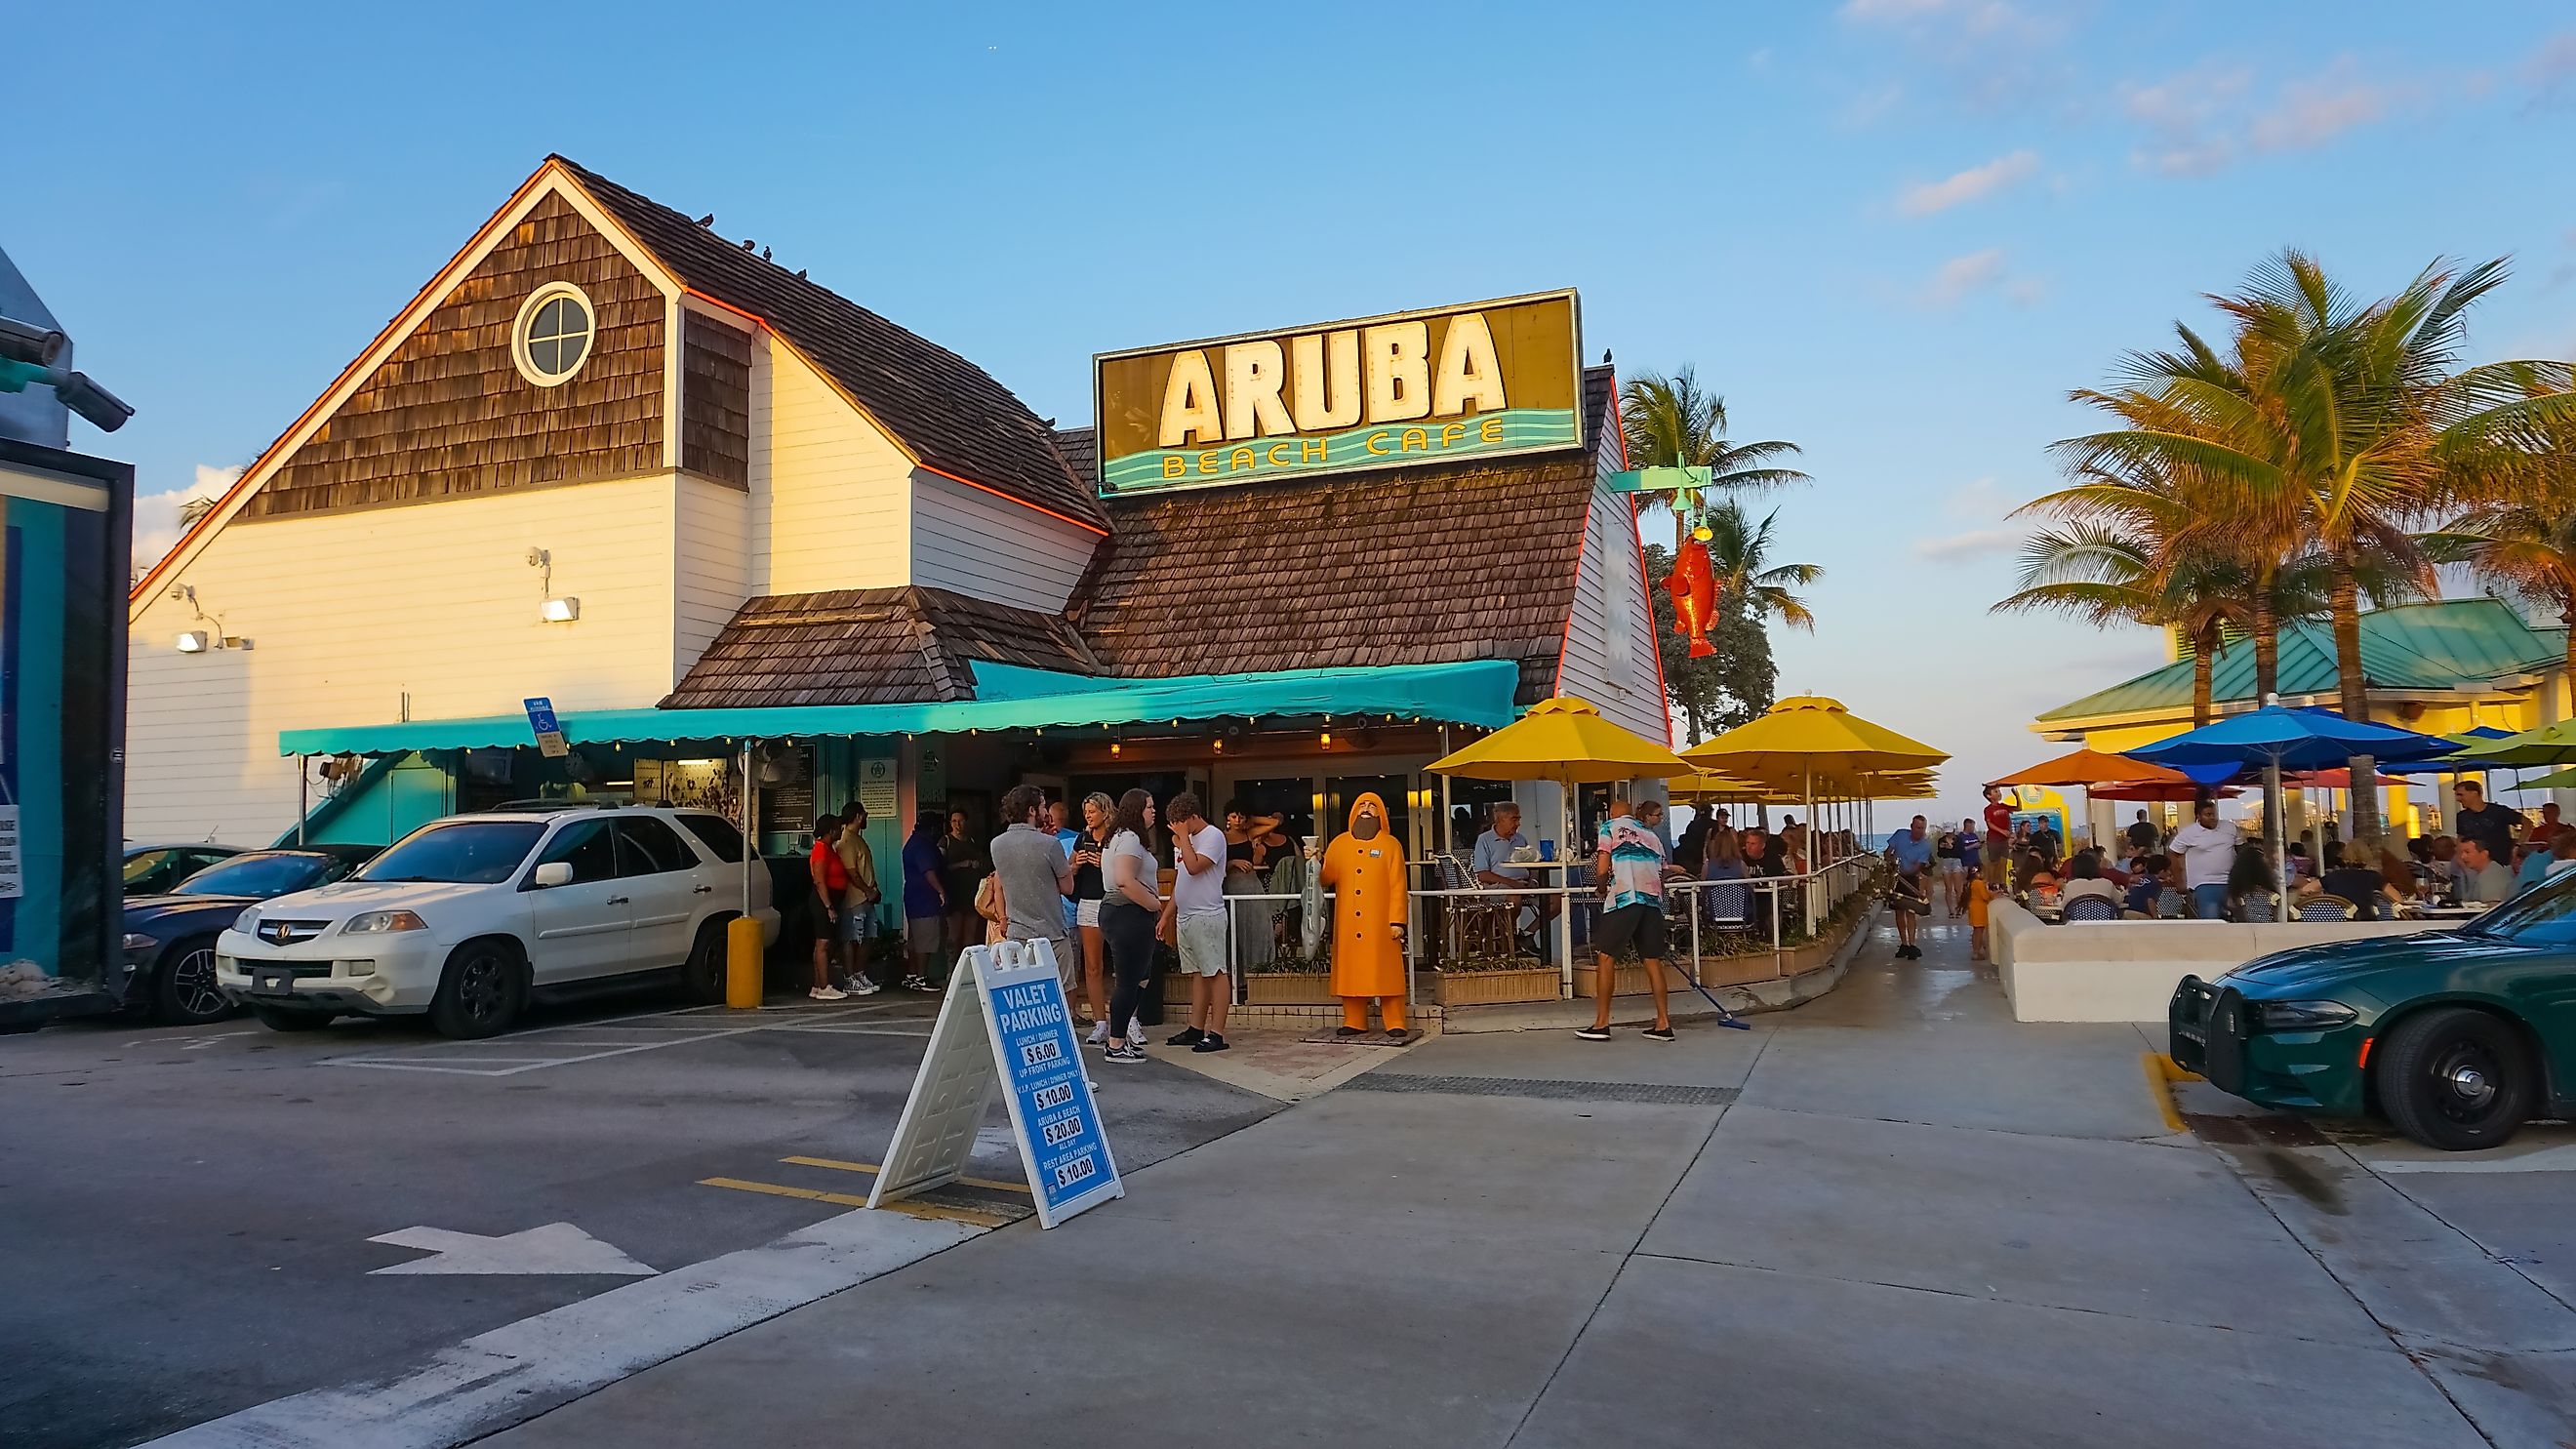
x,y
1092,893
2209,870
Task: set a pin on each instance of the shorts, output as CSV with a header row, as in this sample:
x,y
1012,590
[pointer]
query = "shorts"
x,y
1204,939
1954,867
926,935
1087,913
856,918
1640,925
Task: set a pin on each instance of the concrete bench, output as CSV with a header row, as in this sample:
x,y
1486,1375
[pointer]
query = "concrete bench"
x,y
2126,970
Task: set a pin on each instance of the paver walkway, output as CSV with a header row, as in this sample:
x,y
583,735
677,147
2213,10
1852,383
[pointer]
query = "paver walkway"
x,y
1894,1217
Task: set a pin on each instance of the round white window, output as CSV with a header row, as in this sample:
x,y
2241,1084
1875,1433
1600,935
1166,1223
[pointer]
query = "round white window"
x,y
553,335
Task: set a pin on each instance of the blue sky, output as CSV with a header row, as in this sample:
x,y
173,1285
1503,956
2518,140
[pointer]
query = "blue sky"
x,y
1895,231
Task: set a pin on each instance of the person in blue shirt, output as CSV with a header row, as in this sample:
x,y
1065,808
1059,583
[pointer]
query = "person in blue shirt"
x,y
925,903
1491,865
1911,849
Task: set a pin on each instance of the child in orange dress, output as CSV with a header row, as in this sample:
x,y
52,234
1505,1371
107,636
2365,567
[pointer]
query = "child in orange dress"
x,y
1978,894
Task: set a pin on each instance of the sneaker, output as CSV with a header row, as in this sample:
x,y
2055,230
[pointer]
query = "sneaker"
x,y
1099,1033
1207,1043
1657,1033
864,987
1128,1053
916,983
828,993
1135,1029
1186,1036
1593,1033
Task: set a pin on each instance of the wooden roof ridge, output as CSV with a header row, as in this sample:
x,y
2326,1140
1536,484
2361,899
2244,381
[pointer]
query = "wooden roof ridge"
x,y
949,413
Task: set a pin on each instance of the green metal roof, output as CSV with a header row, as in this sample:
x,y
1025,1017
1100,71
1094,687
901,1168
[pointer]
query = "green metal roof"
x,y
2441,644
1476,692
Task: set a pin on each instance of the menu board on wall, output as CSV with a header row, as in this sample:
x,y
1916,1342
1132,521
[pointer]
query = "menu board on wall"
x,y
786,776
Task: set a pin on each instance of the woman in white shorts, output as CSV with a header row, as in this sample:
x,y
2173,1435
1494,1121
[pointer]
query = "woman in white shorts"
x,y
1099,817
1954,874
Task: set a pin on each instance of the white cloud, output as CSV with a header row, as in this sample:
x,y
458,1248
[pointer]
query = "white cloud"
x,y
1977,498
156,515
1975,273
1973,16
1975,543
2206,118
1974,184
2551,66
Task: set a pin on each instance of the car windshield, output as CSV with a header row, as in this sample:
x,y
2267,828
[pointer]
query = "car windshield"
x,y
466,852
257,876
2545,915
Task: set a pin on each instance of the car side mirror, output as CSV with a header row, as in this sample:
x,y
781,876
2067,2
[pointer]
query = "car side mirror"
x,y
551,874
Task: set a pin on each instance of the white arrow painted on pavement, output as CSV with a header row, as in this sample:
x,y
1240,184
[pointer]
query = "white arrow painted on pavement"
x,y
554,1248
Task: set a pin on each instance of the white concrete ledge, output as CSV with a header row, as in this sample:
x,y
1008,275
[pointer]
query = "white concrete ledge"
x,y
2126,970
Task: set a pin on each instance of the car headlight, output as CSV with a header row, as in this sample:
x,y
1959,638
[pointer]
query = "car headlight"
x,y
137,941
247,921
375,922
2303,1015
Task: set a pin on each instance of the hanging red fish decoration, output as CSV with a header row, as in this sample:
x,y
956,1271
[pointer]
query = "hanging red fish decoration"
x,y
1693,585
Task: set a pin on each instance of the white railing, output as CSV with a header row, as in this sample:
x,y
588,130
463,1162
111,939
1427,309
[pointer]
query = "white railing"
x,y
1774,902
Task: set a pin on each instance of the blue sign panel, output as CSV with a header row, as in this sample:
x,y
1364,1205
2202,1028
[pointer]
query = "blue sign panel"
x,y
1051,1106
548,730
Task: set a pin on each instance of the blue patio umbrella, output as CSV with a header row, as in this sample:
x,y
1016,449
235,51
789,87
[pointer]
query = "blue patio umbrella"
x,y
2281,737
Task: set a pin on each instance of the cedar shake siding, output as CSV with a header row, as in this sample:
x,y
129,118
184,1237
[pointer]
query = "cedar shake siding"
x,y
715,400
870,646
448,415
949,413
1431,564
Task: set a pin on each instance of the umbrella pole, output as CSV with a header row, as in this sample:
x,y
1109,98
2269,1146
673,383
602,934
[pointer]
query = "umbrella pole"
x,y
2273,830
1565,878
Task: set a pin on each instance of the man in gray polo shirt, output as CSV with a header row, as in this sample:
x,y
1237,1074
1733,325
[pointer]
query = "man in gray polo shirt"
x,y
1035,878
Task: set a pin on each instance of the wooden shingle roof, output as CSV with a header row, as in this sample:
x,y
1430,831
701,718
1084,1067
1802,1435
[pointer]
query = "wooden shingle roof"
x,y
950,413
870,646
1425,565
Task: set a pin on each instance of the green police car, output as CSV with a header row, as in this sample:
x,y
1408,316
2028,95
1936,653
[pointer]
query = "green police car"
x,y
2457,1037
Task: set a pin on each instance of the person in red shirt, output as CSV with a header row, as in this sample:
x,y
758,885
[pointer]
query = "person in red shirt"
x,y
2547,830
1998,836
831,891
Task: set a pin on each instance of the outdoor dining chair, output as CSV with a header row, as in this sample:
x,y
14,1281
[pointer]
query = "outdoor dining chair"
x,y
2325,908
2091,908
2172,905
1481,925
2257,908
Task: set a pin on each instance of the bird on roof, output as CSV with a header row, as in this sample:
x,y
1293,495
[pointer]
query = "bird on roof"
x,y
707,220
1605,357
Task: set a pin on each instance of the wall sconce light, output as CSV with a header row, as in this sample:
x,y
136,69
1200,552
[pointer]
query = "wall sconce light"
x,y
1328,739
1220,747
195,641
560,610
1116,749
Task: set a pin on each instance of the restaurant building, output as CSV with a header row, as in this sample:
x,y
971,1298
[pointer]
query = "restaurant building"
x,y
722,516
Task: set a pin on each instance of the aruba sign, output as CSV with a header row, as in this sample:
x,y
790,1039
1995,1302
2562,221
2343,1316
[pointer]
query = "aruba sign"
x,y
1483,380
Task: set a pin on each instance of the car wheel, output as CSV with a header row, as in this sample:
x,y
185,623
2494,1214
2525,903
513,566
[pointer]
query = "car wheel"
x,y
183,985
2455,1078
480,992
285,1018
703,978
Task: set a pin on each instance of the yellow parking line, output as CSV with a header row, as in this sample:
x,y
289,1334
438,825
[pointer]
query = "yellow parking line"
x,y
777,1189
909,1207
2162,1075
837,1165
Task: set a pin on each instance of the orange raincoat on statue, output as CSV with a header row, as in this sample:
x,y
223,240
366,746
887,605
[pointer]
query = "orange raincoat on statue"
x,y
1367,881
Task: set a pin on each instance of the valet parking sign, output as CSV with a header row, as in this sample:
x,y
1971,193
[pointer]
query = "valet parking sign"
x,y
1004,1023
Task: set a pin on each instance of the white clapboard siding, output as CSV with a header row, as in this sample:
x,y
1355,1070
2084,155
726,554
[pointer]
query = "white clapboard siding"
x,y
1610,641
831,497
346,613
714,558
969,541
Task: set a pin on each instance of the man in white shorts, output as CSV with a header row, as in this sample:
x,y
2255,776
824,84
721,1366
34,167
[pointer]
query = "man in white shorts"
x,y
1199,925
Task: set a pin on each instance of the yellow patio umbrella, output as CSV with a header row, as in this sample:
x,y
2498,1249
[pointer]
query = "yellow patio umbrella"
x,y
1566,740
1812,740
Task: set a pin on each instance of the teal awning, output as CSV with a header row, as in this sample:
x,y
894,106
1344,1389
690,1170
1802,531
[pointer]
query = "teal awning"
x,y
1477,692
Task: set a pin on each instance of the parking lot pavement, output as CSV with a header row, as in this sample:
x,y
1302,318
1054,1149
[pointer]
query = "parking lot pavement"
x,y
204,1219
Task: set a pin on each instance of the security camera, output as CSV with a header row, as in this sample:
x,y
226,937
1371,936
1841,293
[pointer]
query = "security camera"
x,y
105,410
28,343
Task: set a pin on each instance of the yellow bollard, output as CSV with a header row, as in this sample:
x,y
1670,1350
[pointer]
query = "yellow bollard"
x,y
742,964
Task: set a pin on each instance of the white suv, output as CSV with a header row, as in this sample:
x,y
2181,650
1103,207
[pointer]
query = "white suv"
x,y
466,917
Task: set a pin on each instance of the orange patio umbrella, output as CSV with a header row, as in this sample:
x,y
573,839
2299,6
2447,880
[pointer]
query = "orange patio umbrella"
x,y
2089,766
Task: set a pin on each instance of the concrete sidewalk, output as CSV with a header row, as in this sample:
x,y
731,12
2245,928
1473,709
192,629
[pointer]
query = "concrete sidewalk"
x,y
1893,1217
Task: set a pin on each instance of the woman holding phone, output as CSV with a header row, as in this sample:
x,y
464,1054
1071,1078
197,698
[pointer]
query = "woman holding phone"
x,y
1099,815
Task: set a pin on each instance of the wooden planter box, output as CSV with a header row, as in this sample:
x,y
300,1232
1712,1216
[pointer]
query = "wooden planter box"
x,y
1487,988
1736,970
1288,988
1631,981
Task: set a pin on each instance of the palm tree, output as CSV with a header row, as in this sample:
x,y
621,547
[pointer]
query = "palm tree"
x,y
1668,422
2318,431
1739,554
2514,465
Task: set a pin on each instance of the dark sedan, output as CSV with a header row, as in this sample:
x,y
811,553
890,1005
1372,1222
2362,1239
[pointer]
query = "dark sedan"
x,y
2457,1037
170,939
